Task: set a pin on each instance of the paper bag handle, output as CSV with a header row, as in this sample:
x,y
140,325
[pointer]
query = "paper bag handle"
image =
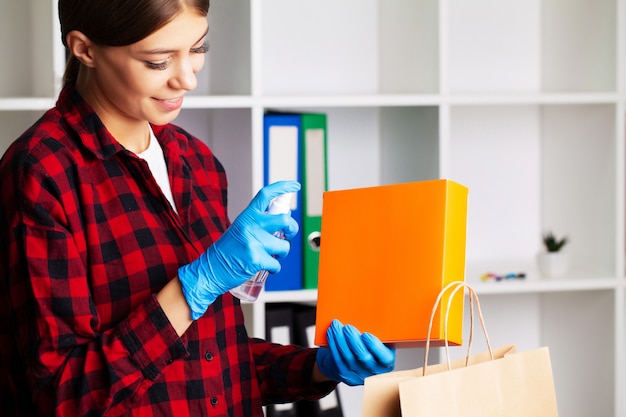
x,y
455,286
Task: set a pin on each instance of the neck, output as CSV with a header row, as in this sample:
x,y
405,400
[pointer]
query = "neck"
x,y
137,143
132,134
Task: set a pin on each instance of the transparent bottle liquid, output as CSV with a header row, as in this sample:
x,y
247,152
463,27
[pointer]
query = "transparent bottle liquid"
x,y
250,290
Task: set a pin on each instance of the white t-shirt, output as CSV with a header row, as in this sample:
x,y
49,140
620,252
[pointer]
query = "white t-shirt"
x,y
153,155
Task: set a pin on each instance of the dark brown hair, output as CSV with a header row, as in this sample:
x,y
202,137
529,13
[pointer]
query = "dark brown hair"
x,y
117,22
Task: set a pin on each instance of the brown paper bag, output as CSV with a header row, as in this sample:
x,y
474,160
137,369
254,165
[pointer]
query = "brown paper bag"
x,y
513,385
498,382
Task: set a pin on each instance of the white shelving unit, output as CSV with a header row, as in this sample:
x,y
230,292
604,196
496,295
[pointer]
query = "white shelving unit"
x,y
523,101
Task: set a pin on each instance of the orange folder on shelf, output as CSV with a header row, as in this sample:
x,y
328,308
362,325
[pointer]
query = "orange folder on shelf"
x,y
387,253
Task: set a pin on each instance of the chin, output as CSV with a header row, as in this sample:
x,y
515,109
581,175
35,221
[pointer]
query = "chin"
x,y
164,119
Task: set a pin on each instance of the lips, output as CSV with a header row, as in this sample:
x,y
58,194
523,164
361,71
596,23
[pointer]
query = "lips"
x,y
171,104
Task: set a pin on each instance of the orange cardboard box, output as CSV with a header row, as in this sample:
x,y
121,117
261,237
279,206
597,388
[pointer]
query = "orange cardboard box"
x,y
387,252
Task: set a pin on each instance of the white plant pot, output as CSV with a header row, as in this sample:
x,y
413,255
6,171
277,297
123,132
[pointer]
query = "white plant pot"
x,y
553,264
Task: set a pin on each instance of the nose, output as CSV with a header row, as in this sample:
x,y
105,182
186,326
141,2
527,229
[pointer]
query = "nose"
x,y
185,76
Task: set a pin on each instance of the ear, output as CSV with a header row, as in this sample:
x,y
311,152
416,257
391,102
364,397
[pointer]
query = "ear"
x,y
81,47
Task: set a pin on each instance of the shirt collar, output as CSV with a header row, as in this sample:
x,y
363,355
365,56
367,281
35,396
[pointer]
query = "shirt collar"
x,y
86,123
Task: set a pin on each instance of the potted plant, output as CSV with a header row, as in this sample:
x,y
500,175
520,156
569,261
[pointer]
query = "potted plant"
x,y
553,261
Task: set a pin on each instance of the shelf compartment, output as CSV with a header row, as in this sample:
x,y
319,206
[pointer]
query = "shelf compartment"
x,y
530,169
27,46
578,191
531,46
579,329
227,69
326,47
579,45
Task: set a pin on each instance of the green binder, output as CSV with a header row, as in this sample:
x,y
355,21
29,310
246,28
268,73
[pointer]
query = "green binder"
x,y
313,140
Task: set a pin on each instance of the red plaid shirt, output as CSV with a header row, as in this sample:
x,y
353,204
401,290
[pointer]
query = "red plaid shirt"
x,y
86,240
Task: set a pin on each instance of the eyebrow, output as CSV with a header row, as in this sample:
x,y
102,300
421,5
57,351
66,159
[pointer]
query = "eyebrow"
x,y
169,51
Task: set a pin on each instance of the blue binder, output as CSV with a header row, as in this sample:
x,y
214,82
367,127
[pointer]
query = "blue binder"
x,y
281,133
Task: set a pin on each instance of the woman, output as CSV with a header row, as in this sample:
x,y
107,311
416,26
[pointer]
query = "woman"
x,y
116,251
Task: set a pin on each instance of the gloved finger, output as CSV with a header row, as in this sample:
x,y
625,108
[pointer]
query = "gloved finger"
x,y
338,345
268,263
252,258
362,356
274,245
342,356
280,223
291,227
367,349
261,200
354,353
384,356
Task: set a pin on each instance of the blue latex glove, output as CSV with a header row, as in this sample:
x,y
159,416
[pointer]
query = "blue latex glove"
x,y
248,246
351,356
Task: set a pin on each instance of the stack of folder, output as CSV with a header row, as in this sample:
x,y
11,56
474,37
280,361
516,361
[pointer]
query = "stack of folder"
x,y
295,149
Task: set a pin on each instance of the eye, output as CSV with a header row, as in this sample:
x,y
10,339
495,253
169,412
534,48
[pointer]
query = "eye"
x,y
202,49
160,66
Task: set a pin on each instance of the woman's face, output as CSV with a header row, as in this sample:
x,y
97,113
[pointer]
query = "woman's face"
x,y
146,81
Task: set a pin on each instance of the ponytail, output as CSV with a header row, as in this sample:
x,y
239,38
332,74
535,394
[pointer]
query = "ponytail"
x,y
71,70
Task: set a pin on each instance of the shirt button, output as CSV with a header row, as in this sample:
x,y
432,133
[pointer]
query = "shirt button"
x,y
208,356
214,401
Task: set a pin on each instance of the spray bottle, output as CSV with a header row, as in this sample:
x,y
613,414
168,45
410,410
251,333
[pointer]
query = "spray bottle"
x,y
250,290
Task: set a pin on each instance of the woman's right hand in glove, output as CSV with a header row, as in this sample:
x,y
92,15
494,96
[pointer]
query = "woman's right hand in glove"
x,y
249,245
